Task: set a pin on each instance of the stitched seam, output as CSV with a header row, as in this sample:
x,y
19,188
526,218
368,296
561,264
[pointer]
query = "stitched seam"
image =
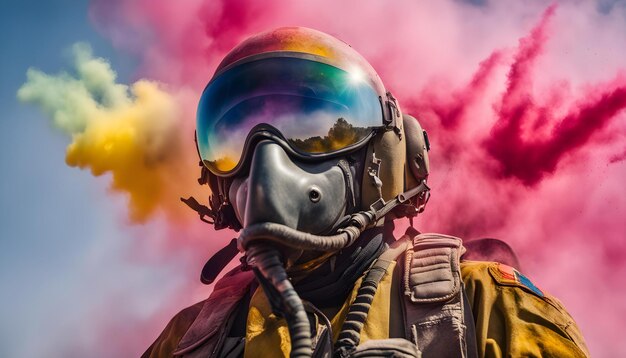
x,y
407,269
455,289
432,259
429,268
432,281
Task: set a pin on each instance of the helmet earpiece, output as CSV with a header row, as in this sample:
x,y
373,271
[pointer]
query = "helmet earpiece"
x,y
383,176
396,162
417,147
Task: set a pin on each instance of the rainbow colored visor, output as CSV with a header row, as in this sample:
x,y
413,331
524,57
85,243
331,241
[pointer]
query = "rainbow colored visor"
x,y
315,108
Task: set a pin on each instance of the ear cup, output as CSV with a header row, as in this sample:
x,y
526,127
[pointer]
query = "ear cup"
x,y
417,147
389,149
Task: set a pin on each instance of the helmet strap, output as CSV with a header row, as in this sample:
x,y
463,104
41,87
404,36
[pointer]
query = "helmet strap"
x,y
373,171
381,208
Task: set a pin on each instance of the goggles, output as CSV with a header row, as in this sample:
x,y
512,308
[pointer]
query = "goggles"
x,y
312,108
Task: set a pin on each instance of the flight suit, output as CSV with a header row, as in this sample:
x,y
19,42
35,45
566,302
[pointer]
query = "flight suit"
x,y
511,317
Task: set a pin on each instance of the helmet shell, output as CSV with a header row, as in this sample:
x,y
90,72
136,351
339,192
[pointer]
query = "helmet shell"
x,y
388,146
392,148
305,41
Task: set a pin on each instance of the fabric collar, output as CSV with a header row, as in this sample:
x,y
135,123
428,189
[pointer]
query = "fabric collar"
x,y
329,284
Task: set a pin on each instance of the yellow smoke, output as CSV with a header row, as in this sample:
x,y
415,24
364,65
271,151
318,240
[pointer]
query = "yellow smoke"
x,y
131,132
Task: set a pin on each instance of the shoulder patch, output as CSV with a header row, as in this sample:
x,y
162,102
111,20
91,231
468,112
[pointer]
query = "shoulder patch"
x,y
524,281
507,275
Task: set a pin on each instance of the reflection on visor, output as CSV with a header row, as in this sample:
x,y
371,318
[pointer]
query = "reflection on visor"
x,y
341,135
317,108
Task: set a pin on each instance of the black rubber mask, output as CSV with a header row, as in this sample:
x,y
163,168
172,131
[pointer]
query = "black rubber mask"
x,y
309,197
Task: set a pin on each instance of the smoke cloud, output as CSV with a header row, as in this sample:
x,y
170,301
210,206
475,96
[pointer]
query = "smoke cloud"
x,y
523,102
133,132
528,140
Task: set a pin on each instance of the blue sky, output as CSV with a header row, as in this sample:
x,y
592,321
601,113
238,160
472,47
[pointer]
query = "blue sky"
x,y
58,227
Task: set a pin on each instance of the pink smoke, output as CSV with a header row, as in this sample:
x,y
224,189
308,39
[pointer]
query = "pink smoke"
x,y
528,137
516,141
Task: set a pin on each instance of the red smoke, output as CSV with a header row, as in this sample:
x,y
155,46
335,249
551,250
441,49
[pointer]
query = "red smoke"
x,y
513,143
519,153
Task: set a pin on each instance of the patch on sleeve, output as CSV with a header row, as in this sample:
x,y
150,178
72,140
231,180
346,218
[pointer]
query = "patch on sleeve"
x,y
507,272
524,281
508,275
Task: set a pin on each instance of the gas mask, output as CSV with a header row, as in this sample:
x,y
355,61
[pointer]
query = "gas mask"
x,y
311,197
303,149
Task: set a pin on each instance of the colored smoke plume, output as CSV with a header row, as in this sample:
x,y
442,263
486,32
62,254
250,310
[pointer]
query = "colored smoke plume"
x,y
528,137
133,133
538,164
516,141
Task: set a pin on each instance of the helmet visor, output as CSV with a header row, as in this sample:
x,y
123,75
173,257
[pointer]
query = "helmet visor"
x,y
316,107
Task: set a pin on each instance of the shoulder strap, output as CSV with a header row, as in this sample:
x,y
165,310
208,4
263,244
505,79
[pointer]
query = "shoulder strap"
x,y
435,309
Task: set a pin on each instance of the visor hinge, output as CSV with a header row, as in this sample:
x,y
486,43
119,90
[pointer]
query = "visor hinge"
x,y
393,120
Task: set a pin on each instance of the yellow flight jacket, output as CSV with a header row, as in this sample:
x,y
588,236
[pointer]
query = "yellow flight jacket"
x,y
516,319
513,318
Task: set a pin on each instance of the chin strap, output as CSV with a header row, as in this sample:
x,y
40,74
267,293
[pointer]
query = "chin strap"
x,y
217,262
380,208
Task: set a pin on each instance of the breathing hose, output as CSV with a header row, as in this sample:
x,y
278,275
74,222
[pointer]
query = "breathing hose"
x,y
292,238
257,240
268,263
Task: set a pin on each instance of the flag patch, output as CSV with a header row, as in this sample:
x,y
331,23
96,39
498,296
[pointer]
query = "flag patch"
x,y
509,275
524,281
